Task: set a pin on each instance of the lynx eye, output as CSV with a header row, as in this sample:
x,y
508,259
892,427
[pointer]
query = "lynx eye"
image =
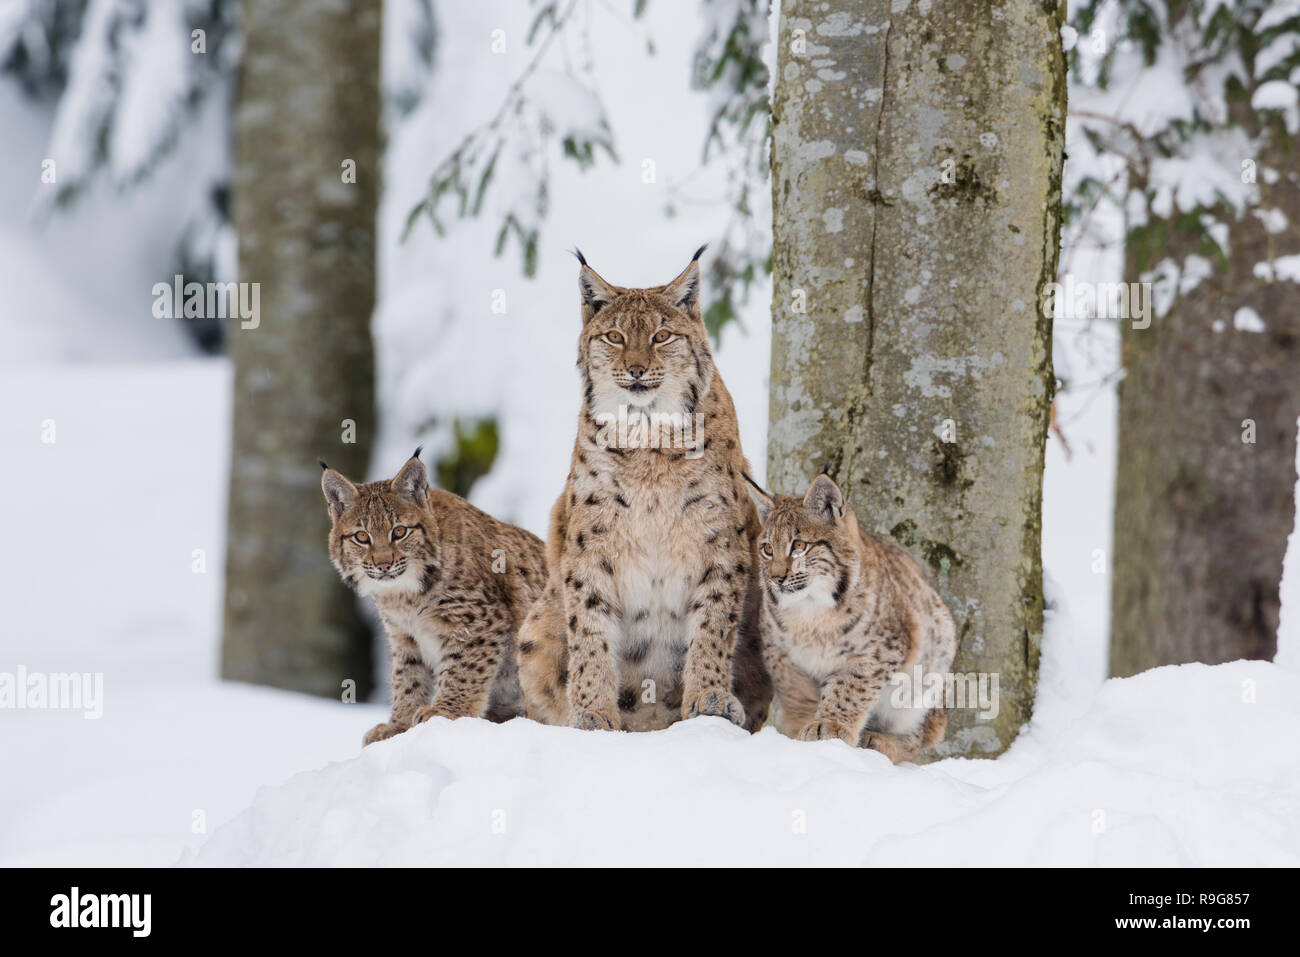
x,y
614,337
399,531
797,547
361,538
766,550
662,336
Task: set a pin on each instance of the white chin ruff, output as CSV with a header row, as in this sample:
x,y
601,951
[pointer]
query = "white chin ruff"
x,y
641,401
610,397
387,586
816,594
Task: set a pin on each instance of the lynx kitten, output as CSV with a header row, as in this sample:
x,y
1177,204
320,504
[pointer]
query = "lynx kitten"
x,y
843,612
451,585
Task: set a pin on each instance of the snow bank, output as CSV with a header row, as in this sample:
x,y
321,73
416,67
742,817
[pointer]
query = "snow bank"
x,y
169,761
1189,765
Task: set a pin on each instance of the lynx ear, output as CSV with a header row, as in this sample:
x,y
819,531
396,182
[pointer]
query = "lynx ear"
x,y
596,293
824,500
339,492
762,501
413,481
684,291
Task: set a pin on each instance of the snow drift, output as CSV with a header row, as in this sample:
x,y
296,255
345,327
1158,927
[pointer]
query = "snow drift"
x,y
1176,766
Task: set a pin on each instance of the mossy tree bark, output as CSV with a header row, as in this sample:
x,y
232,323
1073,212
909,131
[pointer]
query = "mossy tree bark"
x,y
917,153
1205,474
307,114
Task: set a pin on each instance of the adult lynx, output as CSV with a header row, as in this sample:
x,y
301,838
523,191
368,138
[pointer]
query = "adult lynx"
x,y
651,597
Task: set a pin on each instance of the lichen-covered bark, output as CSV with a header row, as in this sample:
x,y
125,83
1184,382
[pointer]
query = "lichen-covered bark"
x,y
917,153
1205,475
308,100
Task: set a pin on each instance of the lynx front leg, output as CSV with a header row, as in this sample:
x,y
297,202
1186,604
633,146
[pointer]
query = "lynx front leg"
x,y
714,623
593,677
847,698
796,693
544,660
471,656
750,678
412,686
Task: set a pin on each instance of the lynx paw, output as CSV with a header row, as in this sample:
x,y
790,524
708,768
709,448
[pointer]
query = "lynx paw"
x,y
380,732
590,720
825,729
427,712
886,746
719,703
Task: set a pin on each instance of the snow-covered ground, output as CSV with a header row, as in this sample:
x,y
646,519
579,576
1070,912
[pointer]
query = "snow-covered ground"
x,y
1168,768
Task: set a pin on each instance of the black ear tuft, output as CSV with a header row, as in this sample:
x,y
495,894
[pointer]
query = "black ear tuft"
x,y
581,259
757,487
699,252
762,501
418,450
322,464
826,469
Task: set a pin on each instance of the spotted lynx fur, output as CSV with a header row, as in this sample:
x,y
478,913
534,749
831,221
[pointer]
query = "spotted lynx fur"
x,y
651,602
843,612
451,585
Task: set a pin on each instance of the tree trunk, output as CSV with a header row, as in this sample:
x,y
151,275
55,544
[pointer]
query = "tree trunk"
x,y
308,102
1205,476
916,187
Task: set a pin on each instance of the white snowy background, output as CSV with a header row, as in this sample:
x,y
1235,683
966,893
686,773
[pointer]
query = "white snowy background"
x,y
1191,765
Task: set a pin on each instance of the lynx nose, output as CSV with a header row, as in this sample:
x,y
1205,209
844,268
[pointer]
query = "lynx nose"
x,y
383,566
779,579
636,372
